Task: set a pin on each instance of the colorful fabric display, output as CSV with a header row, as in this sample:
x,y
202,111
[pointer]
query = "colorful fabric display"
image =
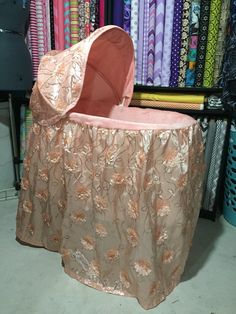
x,y
127,15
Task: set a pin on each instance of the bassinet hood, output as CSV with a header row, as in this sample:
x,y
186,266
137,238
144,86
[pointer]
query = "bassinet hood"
x,y
98,69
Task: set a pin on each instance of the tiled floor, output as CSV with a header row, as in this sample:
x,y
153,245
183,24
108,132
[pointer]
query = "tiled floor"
x,y
32,280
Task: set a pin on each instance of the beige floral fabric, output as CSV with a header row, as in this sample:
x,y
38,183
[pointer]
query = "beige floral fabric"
x,y
120,206
117,195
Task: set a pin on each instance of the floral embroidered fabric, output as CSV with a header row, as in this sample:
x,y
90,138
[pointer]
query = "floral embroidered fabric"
x,y
115,190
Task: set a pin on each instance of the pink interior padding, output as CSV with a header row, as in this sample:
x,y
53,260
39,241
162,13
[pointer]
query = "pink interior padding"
x,y
109,75
130,118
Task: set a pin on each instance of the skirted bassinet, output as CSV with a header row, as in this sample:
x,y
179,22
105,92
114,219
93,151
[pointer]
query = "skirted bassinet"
x,y
115,190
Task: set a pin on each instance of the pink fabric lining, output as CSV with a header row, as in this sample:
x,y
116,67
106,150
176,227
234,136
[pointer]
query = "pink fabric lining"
x,y
120,117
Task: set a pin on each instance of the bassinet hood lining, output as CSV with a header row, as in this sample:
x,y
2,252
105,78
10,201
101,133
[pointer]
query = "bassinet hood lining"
x,y
65,78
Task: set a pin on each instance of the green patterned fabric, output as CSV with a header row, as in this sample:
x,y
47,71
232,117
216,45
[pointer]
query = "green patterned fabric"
x,y
184,43
215,13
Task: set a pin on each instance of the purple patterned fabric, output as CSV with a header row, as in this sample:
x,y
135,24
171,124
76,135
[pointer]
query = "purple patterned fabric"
x,y
118,13
159,33
165,70
134,31
145,42
127,15
151,42
176,43
140,43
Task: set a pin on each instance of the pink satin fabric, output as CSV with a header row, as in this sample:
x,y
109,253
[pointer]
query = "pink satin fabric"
x,y
115,190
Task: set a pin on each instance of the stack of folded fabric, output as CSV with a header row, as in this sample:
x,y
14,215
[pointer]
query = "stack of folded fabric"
x,y
168,100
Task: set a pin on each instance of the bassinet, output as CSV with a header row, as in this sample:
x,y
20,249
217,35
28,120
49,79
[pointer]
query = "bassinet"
x,y
115,190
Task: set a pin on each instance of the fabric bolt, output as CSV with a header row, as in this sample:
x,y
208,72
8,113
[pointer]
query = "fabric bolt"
x,y
101,13
208,155
174,97
202,42
127,15
213,29
221,41
140,42
40,28
52,25
46,26
176,43
159,36
115,190
48,18
74,22
221,126
204,124
58,11
134,30
97,14
92,15
229,65
118,9
34,38
151,42
145,43
66,21
165,104
184,42
168,29
193,42
87,17
81,7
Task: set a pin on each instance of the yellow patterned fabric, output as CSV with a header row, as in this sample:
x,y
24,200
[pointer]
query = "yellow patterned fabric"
x,y
214,21
186,98
165,104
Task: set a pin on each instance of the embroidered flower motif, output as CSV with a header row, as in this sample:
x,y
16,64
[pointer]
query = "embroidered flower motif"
x,y
26,164
110,154
182,181
112,255
43,174
61,206
100,203
42,195
101,230
36,129
132,237
46,219
24,184
88,243
94,269
78,217
170,155
140,159
124,278
162,208
142,267
167,256
27,206
55,238
83,193
160,235
133,210
154,288
30,229
118,179
70,165
53,157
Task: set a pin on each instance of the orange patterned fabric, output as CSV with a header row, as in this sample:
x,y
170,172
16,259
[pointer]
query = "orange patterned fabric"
x,y
117,194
